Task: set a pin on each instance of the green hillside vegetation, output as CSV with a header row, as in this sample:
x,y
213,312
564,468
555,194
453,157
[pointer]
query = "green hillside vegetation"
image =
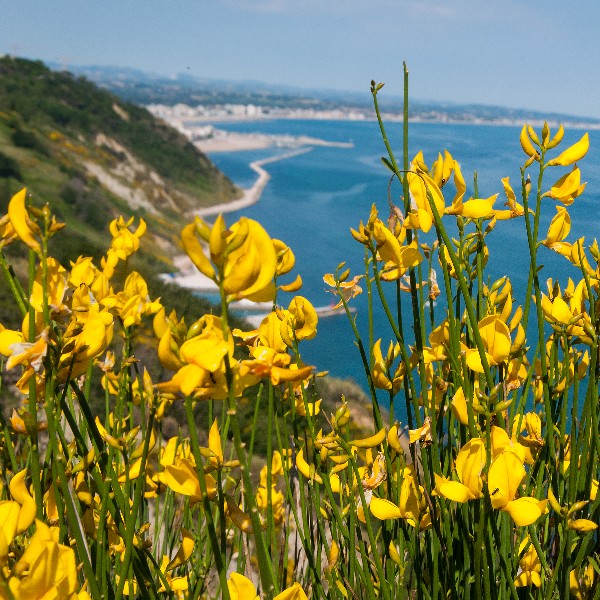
x,y
95,157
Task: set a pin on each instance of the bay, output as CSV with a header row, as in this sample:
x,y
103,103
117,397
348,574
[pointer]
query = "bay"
x,y
313,199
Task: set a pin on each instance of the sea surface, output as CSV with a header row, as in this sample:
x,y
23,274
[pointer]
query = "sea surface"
x,y
313,200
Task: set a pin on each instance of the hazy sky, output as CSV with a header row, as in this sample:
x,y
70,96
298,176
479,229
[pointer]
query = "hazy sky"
x,y
539,54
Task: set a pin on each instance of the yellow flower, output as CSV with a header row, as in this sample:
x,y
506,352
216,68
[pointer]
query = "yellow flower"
x,y
496,341
470,463
300,321
182,478
21,222
530,566
16,515
504,478
306,469
528,147
208,348
184,552
270,331
345,289
7,231
241,588
421,434
388,242
567,188
178,585
46,569
125,242
442,168
459,406
83,271
87,335
276,498
581,581
381,367
411,506
558,231
244,254
56,285
514,208
420,185
20,352
475,208
572,154
266,362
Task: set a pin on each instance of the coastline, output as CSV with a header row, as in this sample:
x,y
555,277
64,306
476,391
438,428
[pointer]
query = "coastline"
x,y
252,194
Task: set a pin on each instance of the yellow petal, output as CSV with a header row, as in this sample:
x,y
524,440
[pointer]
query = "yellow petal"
x,y
478,208
216,241
18,216
526,144
184,552
583,525
470,462
193,249
241,588
20,494
453,490
474,360
239,518
525,511
567,186
182,478
307,470
214,442
167,357
292,287
559,227
576,152
371,441
8,337
504,477
295,592
384,509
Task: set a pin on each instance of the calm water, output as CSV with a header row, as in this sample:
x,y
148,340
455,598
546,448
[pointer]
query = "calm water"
x,y
312,201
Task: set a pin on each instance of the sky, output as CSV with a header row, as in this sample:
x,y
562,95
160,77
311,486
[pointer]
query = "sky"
x,y
536,54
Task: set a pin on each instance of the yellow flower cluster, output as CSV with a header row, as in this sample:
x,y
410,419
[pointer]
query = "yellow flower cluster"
x,y
270,491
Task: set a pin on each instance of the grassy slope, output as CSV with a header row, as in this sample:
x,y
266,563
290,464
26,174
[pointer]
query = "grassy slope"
x,y
52,124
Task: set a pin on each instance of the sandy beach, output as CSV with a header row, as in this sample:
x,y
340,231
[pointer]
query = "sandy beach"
x,y
232,141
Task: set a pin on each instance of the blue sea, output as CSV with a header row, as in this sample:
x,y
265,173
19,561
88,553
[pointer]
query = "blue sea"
x,y
313,199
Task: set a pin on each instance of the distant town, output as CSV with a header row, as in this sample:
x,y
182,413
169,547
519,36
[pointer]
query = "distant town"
x,y
200,123
196,106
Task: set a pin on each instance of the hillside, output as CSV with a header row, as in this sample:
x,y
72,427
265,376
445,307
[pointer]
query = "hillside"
x,y
95,156
92,156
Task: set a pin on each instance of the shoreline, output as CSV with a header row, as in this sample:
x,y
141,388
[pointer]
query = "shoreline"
x,y
232,141
252,194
